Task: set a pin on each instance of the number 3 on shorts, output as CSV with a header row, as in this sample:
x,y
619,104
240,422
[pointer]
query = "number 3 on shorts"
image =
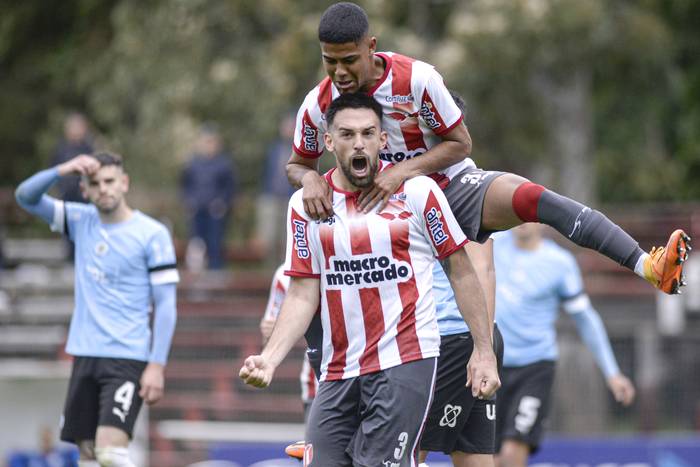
x,y
528,409
123,396
403,439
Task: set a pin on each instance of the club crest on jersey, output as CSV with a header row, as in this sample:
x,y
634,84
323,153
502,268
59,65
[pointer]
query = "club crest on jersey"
x,y
436,227
428,115
301,245
101,248
366,272
399,99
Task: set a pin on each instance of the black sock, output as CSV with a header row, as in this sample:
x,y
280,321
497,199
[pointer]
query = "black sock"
x,y
588,228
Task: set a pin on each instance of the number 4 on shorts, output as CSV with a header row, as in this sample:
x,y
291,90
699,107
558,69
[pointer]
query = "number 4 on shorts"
x,y
124,396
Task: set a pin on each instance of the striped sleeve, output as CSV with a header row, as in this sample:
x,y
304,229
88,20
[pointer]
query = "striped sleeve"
x,y
308,133
301,259
439,224
437,107
162,265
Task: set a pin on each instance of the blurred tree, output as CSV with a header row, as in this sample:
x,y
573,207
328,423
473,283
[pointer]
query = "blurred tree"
x,y
599,98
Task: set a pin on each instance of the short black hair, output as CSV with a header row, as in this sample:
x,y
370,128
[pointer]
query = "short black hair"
x,y
343,22
353,100
106,158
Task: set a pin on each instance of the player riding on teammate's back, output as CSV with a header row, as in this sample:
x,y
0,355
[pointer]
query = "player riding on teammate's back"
x,y
422,120
373,274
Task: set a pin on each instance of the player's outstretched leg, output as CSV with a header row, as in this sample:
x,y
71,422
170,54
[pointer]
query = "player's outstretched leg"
x,y
511,200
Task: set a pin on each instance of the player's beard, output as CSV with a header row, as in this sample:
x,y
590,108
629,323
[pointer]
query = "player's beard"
x,y
109,207
365,180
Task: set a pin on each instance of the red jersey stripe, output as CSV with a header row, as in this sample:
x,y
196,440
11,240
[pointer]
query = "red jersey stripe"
x,y
406,338
339,336
401,76
327,243
325,94
360,243
373,317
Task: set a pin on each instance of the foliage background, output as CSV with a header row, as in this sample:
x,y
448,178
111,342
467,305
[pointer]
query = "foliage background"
x,y
598,98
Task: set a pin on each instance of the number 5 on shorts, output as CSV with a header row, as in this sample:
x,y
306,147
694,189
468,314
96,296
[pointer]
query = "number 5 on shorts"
x,y
124,396
528,410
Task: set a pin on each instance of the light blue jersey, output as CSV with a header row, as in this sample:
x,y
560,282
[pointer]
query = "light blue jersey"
x,y
115,265
530,286
121,269
449,318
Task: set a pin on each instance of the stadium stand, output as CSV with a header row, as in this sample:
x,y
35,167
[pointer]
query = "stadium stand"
x,y
218,325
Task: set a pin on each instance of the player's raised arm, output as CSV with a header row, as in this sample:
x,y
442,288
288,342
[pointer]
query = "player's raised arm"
x,y
298,309
31,194
444,117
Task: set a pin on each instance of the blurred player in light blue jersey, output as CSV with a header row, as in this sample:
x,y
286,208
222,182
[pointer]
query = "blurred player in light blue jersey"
x,y
534,276
124,266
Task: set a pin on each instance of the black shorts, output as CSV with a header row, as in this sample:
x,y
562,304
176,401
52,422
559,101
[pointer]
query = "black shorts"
x,y
457,421
370,420
523,403
101,392
465,194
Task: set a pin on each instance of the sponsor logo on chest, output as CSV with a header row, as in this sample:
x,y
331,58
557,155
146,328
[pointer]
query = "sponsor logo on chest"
x,y
370,271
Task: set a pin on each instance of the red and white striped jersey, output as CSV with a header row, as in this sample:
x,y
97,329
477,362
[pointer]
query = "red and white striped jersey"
x,y
278,290
417,108
376,275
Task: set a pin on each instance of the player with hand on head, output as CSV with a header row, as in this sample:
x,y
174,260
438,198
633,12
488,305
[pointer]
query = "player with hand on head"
x,y
534,277
124,266
373,274
426,136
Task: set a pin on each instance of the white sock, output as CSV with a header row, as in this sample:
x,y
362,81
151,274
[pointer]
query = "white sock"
x,y
423,465
639,267
113,457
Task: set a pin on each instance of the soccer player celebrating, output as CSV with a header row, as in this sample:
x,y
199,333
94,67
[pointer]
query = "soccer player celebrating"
x,y
534,276
421,119
372,273
124,264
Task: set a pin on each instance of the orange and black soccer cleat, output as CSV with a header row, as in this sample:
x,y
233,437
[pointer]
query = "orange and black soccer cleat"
x,y
295,450
664,266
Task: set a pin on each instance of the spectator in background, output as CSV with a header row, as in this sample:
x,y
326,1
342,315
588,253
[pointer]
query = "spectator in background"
x,y
76,140
276,190
208,186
